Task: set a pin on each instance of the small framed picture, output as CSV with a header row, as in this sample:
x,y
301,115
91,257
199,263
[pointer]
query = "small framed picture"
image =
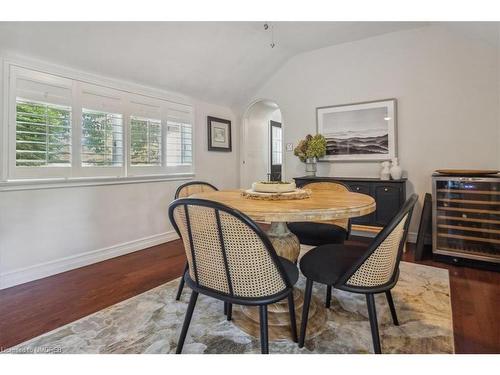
x,y
219,134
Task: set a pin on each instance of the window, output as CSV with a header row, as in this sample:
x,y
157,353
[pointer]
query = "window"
x,y
43,134
60,127
102,139
276,147
145,142
179,143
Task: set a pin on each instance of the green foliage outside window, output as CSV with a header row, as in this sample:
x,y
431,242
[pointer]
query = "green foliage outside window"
x,y
145,141
102,139
43,134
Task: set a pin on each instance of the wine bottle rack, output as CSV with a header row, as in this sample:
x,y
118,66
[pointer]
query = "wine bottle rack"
x,y
466,217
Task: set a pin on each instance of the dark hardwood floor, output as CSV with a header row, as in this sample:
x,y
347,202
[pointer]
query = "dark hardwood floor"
x,y
31,309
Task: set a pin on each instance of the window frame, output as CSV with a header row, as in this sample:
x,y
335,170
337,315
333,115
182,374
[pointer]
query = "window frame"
x,y
41,78
76,82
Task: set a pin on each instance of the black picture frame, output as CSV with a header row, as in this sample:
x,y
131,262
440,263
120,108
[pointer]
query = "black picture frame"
x,y
211,147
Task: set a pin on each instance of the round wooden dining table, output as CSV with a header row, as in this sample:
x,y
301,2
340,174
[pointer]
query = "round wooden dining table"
x,y
321,205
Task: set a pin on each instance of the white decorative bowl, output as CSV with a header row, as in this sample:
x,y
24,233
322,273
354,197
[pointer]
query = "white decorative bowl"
x,y
266,187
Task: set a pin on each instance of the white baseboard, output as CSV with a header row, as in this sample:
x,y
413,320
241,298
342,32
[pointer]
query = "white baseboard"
x,y
41,270
412,236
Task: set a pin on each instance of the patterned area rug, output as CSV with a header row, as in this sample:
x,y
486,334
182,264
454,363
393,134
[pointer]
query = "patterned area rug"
x,y
151,322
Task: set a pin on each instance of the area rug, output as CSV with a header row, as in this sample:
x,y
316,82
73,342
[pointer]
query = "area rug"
x,y
151,322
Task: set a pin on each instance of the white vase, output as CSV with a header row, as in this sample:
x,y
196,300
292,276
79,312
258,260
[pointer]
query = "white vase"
x,y
396,171
385,173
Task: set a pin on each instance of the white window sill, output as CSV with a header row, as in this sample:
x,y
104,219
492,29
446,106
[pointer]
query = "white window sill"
x,y
56,183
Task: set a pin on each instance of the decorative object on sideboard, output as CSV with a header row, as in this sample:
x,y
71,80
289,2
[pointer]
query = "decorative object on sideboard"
x,y
309,150
219,134
396,170
311,166
467,172
385,172
359,131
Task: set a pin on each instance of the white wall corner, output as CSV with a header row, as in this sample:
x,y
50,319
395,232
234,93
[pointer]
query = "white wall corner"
x,y
41,270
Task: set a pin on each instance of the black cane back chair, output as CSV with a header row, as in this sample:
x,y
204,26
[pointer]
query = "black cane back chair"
x,y
323,232
357,269
316,233
184,191
231,259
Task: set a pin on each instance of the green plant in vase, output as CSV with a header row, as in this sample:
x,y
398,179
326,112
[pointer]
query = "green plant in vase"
x,y
309,150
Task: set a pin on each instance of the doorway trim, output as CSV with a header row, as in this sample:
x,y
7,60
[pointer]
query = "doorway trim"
x,y
275,124
244,136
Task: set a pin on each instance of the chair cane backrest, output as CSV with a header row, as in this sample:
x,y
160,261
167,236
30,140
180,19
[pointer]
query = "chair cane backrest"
x,y
226,251
379,265
331,186
193,187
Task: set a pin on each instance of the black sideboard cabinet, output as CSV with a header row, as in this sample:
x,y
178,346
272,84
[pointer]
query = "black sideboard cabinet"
x,y
389,195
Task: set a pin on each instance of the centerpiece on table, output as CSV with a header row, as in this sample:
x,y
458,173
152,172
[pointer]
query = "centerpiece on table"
x,y
309,150
273,186
275,190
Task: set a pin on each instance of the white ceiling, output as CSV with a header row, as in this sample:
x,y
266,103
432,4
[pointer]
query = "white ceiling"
x,y
220,62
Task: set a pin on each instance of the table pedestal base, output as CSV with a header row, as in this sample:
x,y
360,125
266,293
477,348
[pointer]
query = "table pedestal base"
x,y
285,243
247,318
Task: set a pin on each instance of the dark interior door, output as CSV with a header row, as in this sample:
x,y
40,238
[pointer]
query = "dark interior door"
x,y
276,161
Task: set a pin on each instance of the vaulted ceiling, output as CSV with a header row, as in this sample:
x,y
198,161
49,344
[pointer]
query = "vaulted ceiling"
x,y
220,62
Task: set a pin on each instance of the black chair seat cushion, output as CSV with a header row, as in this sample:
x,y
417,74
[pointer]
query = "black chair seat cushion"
x,y
315,234
291,270
326,264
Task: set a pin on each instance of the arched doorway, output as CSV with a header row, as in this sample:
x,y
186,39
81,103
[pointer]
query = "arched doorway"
x,y
262,143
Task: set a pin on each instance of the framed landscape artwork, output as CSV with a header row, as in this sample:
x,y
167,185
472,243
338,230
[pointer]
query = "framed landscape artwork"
x,y
219,134
359,131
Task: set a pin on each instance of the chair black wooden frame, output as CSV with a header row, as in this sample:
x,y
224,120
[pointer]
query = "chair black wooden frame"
x,y
369,291
316,243
231,298
176,196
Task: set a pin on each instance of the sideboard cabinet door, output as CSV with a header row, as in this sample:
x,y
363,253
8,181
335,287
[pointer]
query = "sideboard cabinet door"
x,y
388,200
363,189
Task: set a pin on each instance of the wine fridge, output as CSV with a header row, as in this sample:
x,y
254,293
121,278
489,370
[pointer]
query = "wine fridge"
x,y
466,219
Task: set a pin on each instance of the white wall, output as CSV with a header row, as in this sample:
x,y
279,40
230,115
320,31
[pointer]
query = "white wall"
x,y
47,231
446,84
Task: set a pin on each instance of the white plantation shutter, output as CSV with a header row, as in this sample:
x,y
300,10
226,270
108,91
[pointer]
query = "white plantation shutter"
x,y
40,124
145,141
102,139
41,87
146,136
180,139
179,143
102,143
43,134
